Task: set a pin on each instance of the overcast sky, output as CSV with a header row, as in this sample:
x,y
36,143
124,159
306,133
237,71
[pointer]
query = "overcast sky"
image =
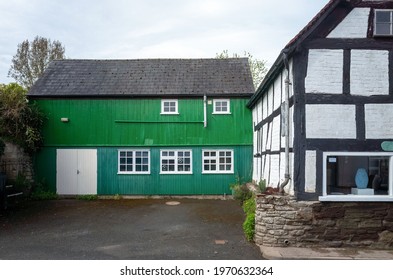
x,y
131,29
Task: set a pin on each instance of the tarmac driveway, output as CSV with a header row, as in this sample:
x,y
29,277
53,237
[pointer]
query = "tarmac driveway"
x,y
125,229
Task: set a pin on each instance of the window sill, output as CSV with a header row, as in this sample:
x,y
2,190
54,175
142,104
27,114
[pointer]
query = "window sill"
x,y
217,173
356,198
176,173
224,113
169,113
133,173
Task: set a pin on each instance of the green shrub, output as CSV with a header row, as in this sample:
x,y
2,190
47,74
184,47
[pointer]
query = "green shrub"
x,y
241,192
249,226
87,197
40,192
249,207
43,195
262,185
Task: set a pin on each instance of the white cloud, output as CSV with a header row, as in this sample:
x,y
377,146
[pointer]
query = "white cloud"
x,y
150,28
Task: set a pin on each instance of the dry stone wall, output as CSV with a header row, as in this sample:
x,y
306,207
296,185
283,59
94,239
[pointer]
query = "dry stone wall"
x,y
282,221
15,162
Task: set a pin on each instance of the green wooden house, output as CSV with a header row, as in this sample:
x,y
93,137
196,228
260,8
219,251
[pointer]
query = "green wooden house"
x,y
145,127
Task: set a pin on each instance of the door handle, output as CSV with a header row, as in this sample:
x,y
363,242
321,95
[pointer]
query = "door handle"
x,y
77,171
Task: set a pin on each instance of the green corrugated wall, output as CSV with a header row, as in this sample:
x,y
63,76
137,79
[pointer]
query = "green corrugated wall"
x,y
138,122
109,182
108,125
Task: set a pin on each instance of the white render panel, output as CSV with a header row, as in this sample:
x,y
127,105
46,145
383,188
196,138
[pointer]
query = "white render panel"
x,y
264,138
259,111
255,141
256,169
355,25
331,121
264,106
325,71
270,102
276,133
379,121
310,172
369,72
269,137
277,93
266,170
274,171
262,168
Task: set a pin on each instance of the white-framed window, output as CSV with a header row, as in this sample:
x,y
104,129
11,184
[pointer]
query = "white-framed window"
x,y
217,161
221,106
133,161
176,162
383,23
169,107
357,176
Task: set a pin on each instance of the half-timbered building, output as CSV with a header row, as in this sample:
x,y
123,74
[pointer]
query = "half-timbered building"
x,y
323,115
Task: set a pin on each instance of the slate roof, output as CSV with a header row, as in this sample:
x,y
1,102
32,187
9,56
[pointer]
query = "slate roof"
x,y
145,77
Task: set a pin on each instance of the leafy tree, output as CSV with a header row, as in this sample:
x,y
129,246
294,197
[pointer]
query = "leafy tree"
x,y
258,67
20,122
32,58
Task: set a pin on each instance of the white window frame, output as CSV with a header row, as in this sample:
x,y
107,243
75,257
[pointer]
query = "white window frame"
x,y
134,161
175,157
228,111
216,158
375,22
354,197
164,101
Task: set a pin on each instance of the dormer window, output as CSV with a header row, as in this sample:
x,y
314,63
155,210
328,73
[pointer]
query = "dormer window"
x,y
383,23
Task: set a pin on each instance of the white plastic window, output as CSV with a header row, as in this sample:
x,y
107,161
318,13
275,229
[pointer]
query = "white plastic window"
x,y
169,107
221,106
217,161
133,162
176,162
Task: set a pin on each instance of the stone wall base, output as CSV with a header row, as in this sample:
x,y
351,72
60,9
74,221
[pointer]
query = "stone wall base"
x,y
282,221
16,162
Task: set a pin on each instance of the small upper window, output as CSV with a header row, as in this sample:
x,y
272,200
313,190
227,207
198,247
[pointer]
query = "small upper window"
x,y
169,107
221,106
383,23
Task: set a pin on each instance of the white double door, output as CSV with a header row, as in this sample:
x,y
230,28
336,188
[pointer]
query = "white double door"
x,y
76,171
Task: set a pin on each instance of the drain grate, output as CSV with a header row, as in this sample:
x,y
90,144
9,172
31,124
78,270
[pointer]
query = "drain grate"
x,y
172,203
